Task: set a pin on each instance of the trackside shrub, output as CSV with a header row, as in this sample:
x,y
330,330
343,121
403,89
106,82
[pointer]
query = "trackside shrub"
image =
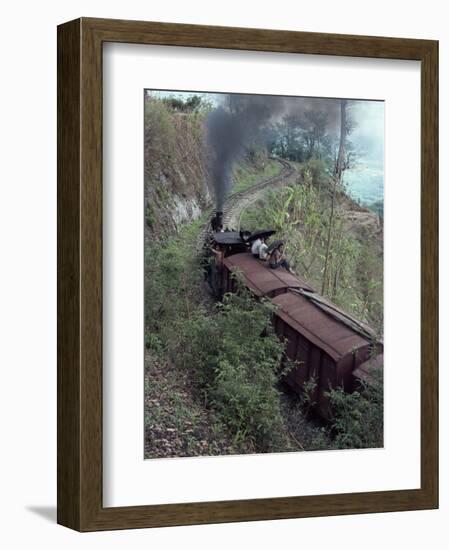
x,y
357,420
237,367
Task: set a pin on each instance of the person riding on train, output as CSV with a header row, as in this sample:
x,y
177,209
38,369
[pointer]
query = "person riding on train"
x,y
255,247
263,250
277,258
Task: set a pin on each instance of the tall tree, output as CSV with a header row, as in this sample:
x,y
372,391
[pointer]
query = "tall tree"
x,y
336,181
314,131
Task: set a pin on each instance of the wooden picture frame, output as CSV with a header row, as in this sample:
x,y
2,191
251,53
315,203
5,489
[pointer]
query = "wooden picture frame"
x,y
80,504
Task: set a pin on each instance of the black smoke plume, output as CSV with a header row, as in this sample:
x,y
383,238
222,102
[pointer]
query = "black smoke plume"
x,y
245,120
231,129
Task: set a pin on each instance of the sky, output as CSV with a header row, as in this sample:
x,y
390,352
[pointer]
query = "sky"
x,y
366,180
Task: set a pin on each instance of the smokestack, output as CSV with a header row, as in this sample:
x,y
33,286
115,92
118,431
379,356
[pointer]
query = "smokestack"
x,y
217,221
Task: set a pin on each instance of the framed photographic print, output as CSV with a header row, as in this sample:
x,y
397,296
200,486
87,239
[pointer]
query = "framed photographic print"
x,y
247,288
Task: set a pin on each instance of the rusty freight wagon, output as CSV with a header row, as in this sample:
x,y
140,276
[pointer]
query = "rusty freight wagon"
x,y
261,280
326,343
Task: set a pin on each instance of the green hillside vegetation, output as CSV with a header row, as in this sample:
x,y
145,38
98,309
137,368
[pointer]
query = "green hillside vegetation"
x,y
254,168
220,375
213,385
175,166
300,214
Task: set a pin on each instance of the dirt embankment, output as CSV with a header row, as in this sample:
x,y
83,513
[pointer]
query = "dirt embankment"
x,y
176,190
361,221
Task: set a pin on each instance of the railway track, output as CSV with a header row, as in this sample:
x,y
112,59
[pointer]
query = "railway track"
x,y
238,201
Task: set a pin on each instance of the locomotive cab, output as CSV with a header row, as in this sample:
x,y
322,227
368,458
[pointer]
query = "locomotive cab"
x,y
231,242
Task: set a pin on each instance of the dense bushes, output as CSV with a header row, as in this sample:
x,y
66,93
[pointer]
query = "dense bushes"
x,y
172,284
220,345
357,420
236,367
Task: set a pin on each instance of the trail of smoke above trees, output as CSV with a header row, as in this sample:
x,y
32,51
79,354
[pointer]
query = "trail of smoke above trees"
x,y
238,122
243,121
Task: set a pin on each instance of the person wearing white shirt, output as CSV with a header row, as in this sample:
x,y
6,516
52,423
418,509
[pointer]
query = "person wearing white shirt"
x,y
255,247
263,250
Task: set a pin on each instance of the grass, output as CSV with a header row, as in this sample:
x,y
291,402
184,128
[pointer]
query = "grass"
x,y
247,175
